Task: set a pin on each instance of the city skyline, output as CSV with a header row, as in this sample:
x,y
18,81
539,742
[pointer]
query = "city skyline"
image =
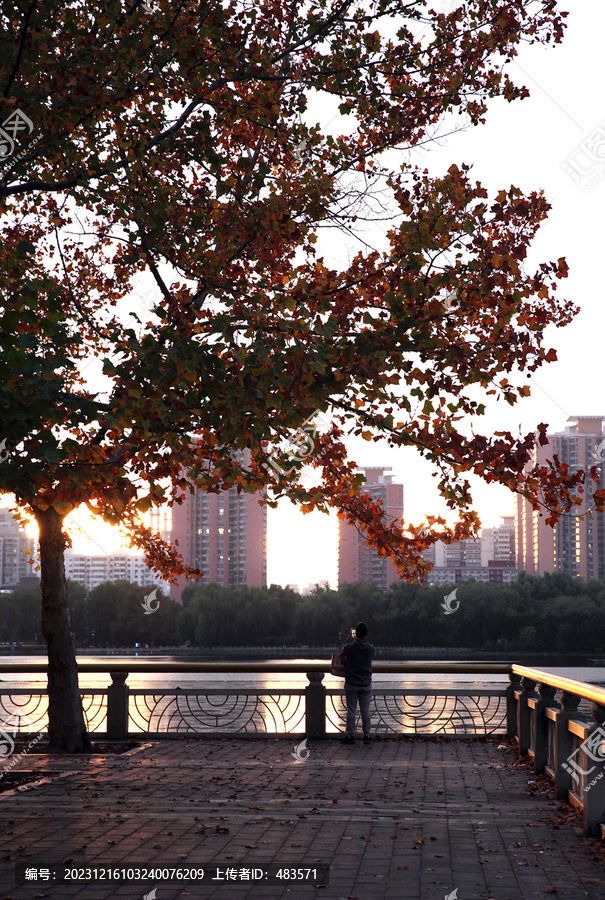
x,y
494,546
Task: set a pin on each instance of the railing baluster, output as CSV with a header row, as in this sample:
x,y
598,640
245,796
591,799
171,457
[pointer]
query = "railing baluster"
x,y
540,729
117,707
564,744
315,706
593,813
511,704
524,714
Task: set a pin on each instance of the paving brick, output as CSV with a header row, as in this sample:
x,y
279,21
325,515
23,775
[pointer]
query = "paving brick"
x,y
412,820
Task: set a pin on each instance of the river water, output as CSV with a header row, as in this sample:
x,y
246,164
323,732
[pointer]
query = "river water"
x,y
272,681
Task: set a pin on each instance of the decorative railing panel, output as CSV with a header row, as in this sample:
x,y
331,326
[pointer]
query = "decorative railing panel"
x,y
24,711
216,711
424,711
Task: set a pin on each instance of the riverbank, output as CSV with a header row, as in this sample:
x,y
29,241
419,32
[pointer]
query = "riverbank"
x,y
395,654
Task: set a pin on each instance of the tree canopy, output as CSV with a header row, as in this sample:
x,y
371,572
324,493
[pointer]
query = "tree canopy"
x,y
177,142
174,142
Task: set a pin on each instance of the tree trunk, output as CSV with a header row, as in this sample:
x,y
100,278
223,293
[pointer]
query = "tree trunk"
x,y
66,726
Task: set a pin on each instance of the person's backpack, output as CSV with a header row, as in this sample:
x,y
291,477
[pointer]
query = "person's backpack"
x,y
336,665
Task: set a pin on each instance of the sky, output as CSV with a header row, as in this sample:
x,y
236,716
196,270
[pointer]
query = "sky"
x,y
531,144
536,143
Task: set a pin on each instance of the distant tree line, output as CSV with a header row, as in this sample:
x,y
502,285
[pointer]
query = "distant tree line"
x,y
552,612
112,615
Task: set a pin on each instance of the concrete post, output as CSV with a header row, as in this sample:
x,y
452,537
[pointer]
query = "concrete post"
x,y
564,746
315,706
547,699
592,755
511,704
117,707
524,714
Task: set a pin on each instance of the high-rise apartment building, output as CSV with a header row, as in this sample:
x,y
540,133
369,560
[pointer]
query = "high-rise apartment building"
x,y
464,554
14,542
498,544
357,561
224,535
576,544
159,519
490,558
91,570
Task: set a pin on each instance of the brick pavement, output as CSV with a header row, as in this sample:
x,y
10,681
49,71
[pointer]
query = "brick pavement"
x,y
399,820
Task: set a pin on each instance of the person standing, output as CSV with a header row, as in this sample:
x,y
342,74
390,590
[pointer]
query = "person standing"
x,y
357,658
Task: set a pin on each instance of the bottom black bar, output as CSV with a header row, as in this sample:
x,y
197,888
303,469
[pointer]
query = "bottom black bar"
x,y
215,874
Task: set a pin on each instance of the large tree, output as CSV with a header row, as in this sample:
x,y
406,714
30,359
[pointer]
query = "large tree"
x,y
175,141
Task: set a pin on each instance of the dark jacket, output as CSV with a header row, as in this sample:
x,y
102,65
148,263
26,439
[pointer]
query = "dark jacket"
x,y
357,658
